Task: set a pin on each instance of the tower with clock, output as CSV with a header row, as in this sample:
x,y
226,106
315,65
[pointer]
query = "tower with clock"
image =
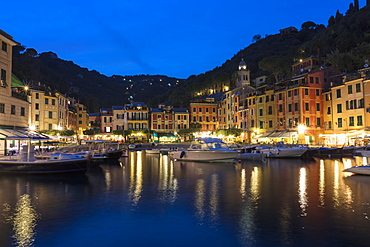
x,y
243,75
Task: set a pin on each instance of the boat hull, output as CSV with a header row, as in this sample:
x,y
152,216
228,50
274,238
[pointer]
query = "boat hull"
x,y
205,155
284,152
361,170
44,166
251,156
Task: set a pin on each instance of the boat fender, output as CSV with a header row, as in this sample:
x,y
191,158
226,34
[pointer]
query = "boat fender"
x,y
182,154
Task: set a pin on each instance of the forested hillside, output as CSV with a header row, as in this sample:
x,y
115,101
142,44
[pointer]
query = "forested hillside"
x,y
345,40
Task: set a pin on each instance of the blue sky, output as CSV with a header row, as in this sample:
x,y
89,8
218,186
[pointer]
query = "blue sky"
x,y
173,38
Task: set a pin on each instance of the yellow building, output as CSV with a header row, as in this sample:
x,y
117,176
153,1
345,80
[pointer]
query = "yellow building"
x,y
13,107
345,113
82,118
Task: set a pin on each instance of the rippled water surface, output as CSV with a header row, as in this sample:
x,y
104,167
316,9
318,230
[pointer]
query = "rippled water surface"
x,y
150,200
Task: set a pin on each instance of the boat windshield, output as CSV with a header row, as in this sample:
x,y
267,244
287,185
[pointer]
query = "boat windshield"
x,y
208,144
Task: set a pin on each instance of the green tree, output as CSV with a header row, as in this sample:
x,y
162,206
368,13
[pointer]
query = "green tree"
x,y
309,25
256,38
279,66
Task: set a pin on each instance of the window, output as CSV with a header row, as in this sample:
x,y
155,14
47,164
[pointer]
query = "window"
x,y
12,109
349,88
37,96
37,117
295,106
295,92
37,106
4,46
280,108
329,110
213,109
200,119
270,110
317,92
185,117
359,120
206,109
339,93
317,81
280,96
358,87
289,93
318,122
260,100
317,106
178,117
50,114
307,106
3,77
307,121
361,103
2,108
328,97
207,119
200,109
50,126
261,124
267,98
351,121
340,124
46,101
23,111
289,107
306,91
339,108
252,123
53,101
270,124
329,125
194,119
311,79
194,109
261,112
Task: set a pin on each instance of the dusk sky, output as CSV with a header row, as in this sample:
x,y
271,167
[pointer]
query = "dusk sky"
x,y
164,37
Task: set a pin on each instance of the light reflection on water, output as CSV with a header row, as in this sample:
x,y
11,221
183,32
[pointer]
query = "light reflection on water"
x,y
23,219
275,203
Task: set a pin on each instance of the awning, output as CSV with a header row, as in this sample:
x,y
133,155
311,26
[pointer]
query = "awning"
x,y
163,135
12,134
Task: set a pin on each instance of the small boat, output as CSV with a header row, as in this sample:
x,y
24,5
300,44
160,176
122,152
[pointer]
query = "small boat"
x,y
205,150
57,163
250,153
284,152
251,156
362,170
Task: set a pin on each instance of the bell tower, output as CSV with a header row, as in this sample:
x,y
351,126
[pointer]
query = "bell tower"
x,y
243,75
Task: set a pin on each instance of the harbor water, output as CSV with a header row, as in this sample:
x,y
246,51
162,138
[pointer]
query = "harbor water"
x,y
151,200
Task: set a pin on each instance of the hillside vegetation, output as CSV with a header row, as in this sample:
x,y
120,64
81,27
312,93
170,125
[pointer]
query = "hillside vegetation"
x,y
345,40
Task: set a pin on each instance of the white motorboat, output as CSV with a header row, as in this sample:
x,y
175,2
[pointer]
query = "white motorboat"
x,y
251,156
206,150
284,152
362,170
56,163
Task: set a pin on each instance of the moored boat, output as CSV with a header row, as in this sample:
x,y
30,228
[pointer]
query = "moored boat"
x,y
361,170
57,163
284,152
206,150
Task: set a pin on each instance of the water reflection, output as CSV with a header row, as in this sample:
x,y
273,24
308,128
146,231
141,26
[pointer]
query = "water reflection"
x,y
24,221
167,182
249,178
247,204
136,176
302,191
